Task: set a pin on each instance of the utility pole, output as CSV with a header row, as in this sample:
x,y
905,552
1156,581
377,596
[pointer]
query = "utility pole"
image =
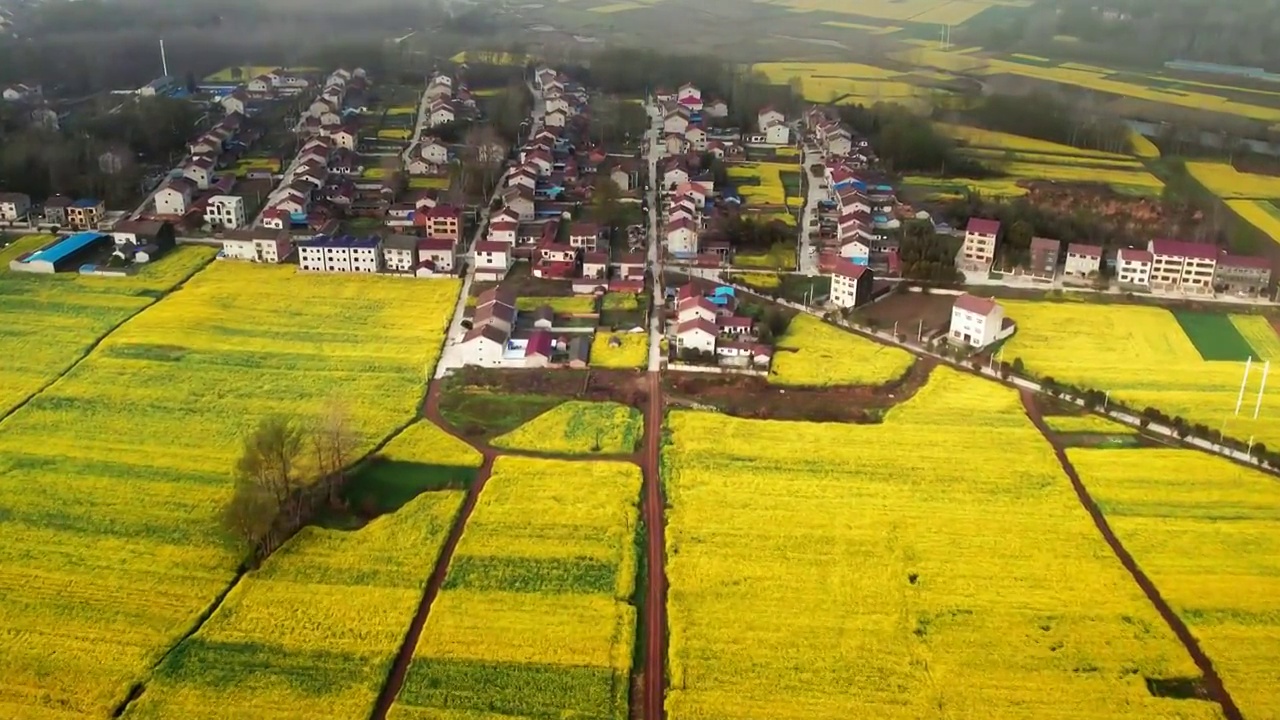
x,y
1243,380
1258,406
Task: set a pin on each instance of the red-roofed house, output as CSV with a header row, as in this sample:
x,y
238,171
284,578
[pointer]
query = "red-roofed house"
x,y
1133,267
1185,266
850,284
682,236
493,260
442,221
1083,260
979,248
630,265
1044,257
1242,275
975,321
693,307
504,231
697,334
438,253
584,235
734,325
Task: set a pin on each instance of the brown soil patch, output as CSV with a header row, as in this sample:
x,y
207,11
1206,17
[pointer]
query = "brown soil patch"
x,y
753,397
907,309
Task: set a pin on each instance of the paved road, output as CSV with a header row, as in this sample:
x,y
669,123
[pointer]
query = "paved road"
x,y
418,126
808,260
653,151
655,678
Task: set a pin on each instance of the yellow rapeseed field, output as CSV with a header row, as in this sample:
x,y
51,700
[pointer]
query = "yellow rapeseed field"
x,y
534,619
781,73
936,12
566,305
980,138
429,183
765,181
424,442
1258,332
1143,357
395,134
1230,184
632,351
1138,180
993,154
312,633
578,428
815,353
956,187
1142,147
1206,531
936,565
487,57
1262,214
50,321
114,477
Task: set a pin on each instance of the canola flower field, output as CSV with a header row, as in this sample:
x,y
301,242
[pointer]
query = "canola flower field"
x,y
760,183
578,427
111,544
49,322
1207,533
1230,184
881,578
632,351
534,618
1262,214
313,632
1145,359
812,352
1086,424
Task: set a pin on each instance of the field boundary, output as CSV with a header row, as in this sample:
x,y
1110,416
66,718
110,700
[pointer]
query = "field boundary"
x,y
1213,682
655,677
102,338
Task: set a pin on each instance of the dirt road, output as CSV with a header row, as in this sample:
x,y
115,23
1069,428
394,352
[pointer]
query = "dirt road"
x,y
655,677
1212,683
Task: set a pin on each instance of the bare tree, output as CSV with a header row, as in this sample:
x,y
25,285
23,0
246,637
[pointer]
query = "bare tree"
x,y
333,441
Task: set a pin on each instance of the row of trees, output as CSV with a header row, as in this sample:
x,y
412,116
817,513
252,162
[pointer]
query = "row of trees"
x,y
288,470
926,255
1048,116
906,142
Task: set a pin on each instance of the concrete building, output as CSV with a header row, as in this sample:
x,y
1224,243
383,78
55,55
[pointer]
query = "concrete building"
x,y
341,254
1183,266
1133,267
262,245
975,321
225,211
850,284
1083,261
980,237
14,206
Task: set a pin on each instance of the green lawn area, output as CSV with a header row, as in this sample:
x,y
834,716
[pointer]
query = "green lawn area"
x,y
478,413
1214,336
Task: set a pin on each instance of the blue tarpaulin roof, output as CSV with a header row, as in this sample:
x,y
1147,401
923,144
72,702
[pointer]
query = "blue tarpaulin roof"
x,y
68,246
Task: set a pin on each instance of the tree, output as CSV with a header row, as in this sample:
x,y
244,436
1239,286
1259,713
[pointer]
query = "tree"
x,y
269,460
250,514
334,442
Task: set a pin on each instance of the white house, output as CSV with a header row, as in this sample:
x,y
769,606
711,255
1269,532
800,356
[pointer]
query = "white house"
x,y
850,284
778,134
400,253
697,137
433,151
200,171
14,206
856,251
261,245
174,198
675,123
1185,266
437,253
484,346
441,113
493,260
682,236
975,321
769,117
325,254
1083,260
225,211
235,102
697,334
555,118
980,241
695,307
1133,267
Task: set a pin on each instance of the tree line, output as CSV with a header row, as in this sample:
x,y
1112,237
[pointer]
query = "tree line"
x,y
289,470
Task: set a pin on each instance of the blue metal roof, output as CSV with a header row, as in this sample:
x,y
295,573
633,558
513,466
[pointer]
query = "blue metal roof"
x,y
342,241
84,203
67,246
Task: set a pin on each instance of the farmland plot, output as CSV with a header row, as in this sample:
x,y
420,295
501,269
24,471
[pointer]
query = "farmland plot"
x,y
1207,533
812,352
1145,359
534,618
578,428
50,321
827,571
112,480
313,632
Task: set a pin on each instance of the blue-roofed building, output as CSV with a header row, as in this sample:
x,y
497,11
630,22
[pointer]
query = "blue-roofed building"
x,y
62,254
341,253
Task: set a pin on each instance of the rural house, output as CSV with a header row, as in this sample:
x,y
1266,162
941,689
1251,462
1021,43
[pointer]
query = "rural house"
x,y
979,249
1184,266
1083,260
850,284
977,322
1242,275
1133,267
1044,258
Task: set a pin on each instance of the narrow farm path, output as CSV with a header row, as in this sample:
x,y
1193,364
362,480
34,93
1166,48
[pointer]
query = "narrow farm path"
x,y
400,667
1217,691
655,679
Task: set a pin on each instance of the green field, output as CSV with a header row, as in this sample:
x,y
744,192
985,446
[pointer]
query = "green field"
x,y
1214,336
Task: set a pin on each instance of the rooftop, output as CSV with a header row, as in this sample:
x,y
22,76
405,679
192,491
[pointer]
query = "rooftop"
x,y
65,247
983,226
974,304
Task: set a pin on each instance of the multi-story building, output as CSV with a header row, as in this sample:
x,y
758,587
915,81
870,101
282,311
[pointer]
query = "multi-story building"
x,y
400,253
979,249
14,206
85,214
1133,267
341,254
1044,257
1083,260
850,284
225,211
257,245
1184,266
1242,275
441,221
975,321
